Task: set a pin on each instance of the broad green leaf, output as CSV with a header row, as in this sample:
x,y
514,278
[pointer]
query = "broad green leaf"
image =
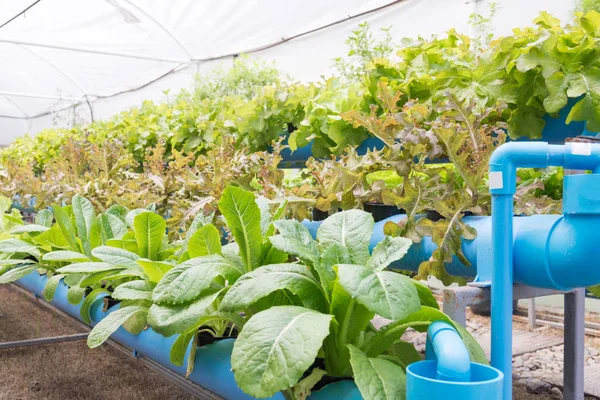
x,y
125,244
76,292
115,256
112,227
18,246
53,238
333,255
30,228
265,214
476,353
65,256
205,241
387,335
352,320
386,293
295,239
377,379
134,290
557,85
96,236
265,280
137,323
88,301
84,218
88,268
126,273
587,83
405,353
17,273
180,346
11,261
44,218
387,251
199,221
169,320
51,286
154,270
118,211
92,279
149,232
231,252
351,229
111,323
243,218
266,357
66,226
188,280
276,216
426,296
130,217
271,255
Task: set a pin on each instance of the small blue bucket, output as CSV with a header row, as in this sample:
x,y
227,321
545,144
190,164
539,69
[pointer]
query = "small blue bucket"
x,y
448,372
422,383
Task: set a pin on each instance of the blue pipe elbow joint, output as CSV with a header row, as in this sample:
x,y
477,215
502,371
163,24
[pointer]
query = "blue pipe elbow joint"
x,y
445,346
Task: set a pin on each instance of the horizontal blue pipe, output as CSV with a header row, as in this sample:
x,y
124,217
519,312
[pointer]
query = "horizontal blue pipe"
x,y
550,251
212,365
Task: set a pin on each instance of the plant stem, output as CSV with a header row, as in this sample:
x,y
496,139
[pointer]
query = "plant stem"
x,y
288,394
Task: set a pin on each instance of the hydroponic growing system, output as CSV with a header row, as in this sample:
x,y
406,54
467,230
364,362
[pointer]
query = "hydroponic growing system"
x,y
172,231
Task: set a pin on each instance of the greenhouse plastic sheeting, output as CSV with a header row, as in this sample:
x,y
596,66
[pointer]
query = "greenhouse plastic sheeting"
x,y
70,60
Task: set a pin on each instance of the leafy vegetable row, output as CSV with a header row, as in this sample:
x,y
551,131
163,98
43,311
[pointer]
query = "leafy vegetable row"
x,y
302,306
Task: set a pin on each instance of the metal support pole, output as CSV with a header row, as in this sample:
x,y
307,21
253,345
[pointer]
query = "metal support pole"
x,y
531,313
574,356
41,341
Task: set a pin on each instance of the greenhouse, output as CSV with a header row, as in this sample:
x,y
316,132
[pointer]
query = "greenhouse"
x,y
380,200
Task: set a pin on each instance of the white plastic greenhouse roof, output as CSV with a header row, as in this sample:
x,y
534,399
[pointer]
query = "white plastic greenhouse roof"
x,y
102,56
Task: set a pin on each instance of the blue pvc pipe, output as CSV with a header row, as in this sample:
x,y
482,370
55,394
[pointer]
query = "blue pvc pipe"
x,y
446,347
448,371
212,366
503,165
502,293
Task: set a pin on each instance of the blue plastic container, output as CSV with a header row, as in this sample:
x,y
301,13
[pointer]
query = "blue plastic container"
x,y
297,158
556,129
448,372
422,383
344,390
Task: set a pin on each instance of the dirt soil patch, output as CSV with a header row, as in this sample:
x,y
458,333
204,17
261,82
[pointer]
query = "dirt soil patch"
x,y
67,371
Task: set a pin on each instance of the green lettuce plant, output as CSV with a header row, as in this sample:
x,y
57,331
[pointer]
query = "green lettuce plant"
x,y
335,291
186,299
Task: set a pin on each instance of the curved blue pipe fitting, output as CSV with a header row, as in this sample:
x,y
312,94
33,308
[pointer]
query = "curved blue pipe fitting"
x,y
448,372
445,346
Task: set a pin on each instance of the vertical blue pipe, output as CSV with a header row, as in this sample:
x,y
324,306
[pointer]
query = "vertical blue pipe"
x,y
502,288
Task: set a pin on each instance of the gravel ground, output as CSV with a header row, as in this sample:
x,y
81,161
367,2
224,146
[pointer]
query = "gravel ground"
x,y
67,371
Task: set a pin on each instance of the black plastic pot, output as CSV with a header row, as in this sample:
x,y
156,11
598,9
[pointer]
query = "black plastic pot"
x,y
381,211
435,216
318,215
205,338
108,301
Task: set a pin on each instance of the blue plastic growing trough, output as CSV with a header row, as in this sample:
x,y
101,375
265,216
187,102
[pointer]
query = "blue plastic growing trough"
x,y
212,364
